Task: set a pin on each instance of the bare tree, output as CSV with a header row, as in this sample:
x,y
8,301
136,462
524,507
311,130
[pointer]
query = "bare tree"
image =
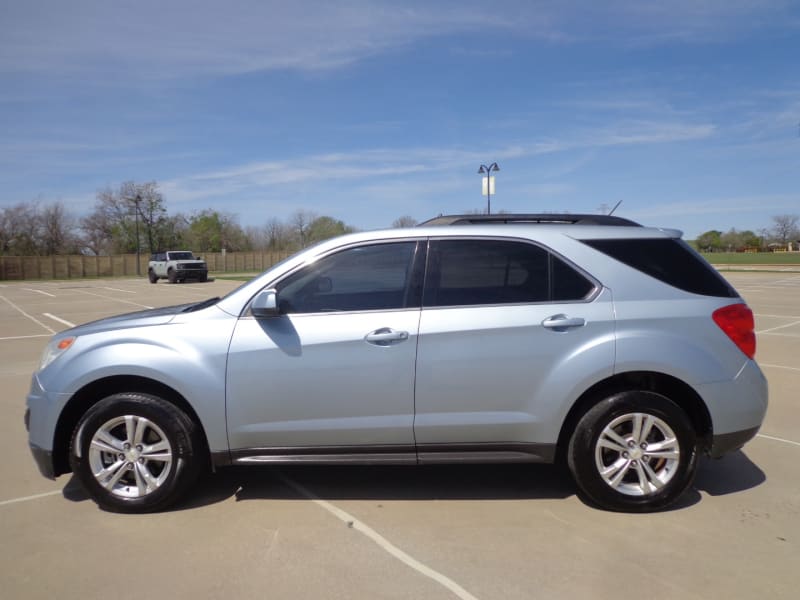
x,y
277,235
112,226
56,230
784,228
19,229
300,222
404,221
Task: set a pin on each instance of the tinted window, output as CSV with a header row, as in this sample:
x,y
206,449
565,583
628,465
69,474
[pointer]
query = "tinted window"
x,y
363,278
468,272
668,260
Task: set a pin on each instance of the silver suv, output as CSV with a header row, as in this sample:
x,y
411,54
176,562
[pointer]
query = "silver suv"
x,y
511,338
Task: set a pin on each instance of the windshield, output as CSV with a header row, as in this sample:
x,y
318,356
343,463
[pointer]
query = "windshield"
x,y
181,256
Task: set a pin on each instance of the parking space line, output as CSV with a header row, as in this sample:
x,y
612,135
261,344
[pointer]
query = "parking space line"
x,y
381,541
26,498
777,439
114,299
34,319
59,319
24,337
771,329
779,367
118,290
39,292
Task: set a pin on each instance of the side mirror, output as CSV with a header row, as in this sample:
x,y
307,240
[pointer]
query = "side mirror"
x,y
265,304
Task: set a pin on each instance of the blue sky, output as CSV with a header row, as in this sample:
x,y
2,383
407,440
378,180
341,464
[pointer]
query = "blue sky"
x,y
688,111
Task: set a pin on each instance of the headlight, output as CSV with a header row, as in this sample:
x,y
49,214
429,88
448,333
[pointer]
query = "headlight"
x,y
54,349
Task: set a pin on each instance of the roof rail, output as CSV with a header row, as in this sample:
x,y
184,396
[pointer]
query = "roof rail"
x,y
554,218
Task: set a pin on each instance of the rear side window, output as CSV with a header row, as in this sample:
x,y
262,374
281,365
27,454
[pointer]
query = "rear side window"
x,y
669,260
470,272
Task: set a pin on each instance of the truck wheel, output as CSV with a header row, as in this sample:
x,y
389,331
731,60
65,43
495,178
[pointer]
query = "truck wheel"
x,y
151,275
171,276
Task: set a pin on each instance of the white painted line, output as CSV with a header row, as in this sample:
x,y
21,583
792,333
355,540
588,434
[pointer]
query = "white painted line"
x,y
779,367
34,319
26,498
113,299
777,439
24,337
39,292
118,290
59,319
777,316
778,327
381,541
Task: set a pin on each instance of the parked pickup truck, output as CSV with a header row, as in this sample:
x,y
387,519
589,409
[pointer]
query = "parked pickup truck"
x,y
176,265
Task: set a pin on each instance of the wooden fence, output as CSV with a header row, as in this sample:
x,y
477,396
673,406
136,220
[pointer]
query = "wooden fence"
x,y
124,265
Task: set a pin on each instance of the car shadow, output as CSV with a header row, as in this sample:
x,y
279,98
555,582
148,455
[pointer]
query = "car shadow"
x,y
436,482
735,473
728,475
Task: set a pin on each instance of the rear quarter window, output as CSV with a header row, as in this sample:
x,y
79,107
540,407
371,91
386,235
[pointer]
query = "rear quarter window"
x,y
669,260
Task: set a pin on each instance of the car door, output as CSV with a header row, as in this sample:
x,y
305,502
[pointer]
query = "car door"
x,y
509,333
333,372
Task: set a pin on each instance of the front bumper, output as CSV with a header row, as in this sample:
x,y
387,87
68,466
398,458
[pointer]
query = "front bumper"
x,y
44,460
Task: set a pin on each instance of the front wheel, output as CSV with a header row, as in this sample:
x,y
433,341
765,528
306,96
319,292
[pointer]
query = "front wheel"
x,y
635,451
172,276
135,453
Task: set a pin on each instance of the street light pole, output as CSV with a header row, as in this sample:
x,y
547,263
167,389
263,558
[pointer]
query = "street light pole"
x,y
488,171
138,262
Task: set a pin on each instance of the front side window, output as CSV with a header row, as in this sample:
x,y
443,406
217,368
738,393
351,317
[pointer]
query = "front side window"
x,y
376,277
470,272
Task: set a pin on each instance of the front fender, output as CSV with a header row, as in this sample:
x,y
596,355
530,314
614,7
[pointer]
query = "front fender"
x,y
189,357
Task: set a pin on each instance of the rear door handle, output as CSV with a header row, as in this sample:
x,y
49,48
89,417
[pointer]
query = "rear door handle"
x,y
386,336
562,322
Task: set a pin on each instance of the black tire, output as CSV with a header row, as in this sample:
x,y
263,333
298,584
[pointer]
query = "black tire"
x,y
620,469
171,275
149,458
203,278
151,275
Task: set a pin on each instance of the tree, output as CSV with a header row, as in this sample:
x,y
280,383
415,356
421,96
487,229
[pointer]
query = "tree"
x,y
734,240
19,230
300,221
213,231
784,228
404,221
112,226
323,228
710,241
57,231
277,235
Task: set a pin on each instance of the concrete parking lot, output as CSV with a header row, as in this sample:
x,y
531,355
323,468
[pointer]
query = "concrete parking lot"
x,y
499,532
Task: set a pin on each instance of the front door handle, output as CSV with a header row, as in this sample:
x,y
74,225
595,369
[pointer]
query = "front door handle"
x,y
386,336
562,322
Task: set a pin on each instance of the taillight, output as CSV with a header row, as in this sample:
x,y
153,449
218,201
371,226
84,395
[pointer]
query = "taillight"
x,y
737,322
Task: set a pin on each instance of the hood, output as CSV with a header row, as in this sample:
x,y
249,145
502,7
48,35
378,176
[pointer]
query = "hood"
x,y
142,318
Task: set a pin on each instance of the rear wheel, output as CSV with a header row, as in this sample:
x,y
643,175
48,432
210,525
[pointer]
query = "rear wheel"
x,y
634,451
135,453
151,275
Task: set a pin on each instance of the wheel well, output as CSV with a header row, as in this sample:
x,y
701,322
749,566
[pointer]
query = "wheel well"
x,y
676,390
91,394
